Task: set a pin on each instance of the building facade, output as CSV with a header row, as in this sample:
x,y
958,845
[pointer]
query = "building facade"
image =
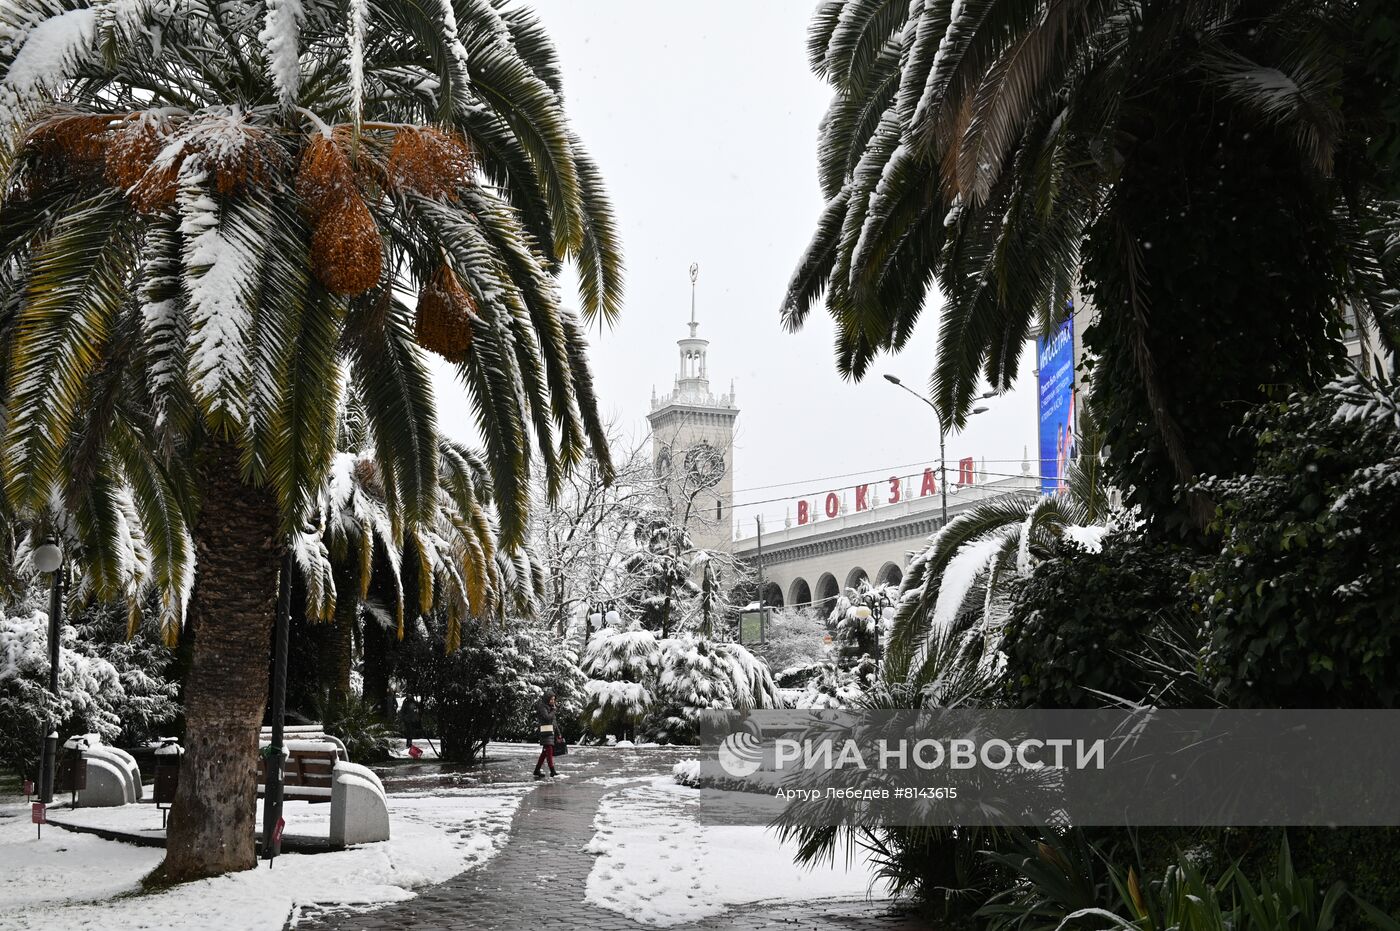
x,y
809,565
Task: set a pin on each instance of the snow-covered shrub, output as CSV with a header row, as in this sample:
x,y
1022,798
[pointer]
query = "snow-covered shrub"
x,y
795,637
1302,600
554,669
695,674
621,665
830,685
486,689
1115,620
114,689
660,686
754,685
687,773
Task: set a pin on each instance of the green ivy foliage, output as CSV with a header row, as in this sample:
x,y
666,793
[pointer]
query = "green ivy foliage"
x,y
1116,622
1302,603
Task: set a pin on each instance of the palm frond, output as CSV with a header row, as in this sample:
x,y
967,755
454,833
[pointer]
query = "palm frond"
x,y
76,286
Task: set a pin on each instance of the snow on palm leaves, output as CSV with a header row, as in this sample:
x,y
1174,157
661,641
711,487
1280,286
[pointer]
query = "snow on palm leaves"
x,y
946,624
167,151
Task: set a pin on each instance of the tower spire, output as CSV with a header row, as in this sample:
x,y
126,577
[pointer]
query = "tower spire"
x,y
694,274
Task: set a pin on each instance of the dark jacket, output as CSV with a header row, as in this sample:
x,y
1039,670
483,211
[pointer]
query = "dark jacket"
x,y
544,715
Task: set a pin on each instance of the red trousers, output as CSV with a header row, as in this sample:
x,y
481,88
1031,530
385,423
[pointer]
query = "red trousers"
x,y
546,756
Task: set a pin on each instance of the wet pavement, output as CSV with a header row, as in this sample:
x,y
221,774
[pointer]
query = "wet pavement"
x,y
554,825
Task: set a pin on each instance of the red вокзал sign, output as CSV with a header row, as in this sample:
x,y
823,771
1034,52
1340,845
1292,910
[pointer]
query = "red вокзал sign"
x,y
807,512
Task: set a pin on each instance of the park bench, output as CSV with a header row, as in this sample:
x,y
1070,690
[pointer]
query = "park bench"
x,y
97,775
317,770
308,770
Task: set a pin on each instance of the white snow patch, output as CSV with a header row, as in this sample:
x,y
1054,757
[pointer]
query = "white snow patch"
x,y
50,49
220,264
961,573
659,866
1090,538
281,36
74,880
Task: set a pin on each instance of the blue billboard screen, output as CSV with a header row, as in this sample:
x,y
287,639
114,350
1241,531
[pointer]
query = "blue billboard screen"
x,y
1055,386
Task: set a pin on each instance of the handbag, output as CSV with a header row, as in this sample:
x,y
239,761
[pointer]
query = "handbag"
x,y
561,746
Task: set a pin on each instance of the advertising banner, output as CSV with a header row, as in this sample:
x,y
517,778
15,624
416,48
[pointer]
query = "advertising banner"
x,y
1055,387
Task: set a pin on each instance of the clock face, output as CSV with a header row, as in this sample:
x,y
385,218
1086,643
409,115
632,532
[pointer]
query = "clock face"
x,y
704,465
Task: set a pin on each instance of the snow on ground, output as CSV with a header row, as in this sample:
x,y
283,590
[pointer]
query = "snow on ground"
x,y
658,865
80,881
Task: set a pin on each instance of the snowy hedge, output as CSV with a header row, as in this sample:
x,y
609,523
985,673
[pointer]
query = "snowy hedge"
x,y
108,686
658,687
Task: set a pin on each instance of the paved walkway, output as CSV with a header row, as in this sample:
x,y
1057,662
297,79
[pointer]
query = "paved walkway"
x,y
538,880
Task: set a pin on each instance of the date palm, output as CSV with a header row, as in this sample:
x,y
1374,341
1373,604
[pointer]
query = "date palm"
x,y
223,208
943,646
977,144
452,558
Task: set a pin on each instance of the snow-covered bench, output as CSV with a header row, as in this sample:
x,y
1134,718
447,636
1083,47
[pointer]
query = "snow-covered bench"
x,y
293,732
113,778
316,771
306,770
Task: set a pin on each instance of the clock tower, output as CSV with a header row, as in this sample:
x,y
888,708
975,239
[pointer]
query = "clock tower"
x,y
692,441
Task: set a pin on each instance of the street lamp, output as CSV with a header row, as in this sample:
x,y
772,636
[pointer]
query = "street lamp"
x,y
48,559
942,434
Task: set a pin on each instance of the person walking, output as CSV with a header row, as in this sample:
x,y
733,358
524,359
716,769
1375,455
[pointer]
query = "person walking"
x,y
544,716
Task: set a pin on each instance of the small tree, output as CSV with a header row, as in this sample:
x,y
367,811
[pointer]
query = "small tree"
x,y
620,663
488,687
584,539
795,637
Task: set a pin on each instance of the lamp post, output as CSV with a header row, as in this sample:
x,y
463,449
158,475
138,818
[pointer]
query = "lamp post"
x,y
48,559
275,755
942,435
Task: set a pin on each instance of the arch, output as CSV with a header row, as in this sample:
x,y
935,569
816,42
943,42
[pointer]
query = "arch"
x,y
856,576
800,594
827,590
771,595
890,574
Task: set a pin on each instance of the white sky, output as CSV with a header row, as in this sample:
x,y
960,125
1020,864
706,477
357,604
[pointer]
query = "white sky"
x,y
703,117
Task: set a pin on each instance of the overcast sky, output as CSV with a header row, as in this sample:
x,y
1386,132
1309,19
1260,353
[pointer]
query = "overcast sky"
x,y
703,117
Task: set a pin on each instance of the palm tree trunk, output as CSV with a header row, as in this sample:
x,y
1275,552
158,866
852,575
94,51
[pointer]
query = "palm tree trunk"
x,y
379,664
212,821
347,609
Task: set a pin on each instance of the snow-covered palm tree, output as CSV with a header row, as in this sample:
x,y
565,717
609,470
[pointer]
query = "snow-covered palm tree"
x,y
214,213
944,640
454,558
992,144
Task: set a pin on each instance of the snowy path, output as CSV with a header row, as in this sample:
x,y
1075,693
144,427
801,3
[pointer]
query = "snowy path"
x,y
613,848
616,845
72,881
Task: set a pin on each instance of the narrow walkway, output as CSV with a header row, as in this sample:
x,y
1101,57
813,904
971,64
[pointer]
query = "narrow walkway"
x,y
539,879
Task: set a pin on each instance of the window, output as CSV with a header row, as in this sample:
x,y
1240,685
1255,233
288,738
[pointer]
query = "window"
x,y
719,510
